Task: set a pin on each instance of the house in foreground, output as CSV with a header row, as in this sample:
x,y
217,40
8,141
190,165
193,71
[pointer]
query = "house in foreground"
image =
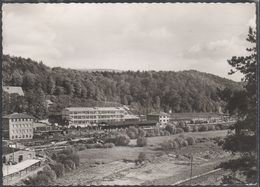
x,y
18,164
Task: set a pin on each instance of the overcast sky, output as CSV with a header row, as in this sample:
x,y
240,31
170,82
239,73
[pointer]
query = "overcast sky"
x,y
129,36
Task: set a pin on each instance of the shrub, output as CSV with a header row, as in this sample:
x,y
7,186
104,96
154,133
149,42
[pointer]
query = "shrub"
x,y
61,158
51,174
131,134
118,140
169,145
109,145
186,128
122,140
157,132
217,127
166,133
141,133
184,143
211,127
39,180
150,133
170,128
142,157
190,140
179,141
81,147
195,128
203,128
67,151
179,130
69,165
75,158
141,141
162,133
58,168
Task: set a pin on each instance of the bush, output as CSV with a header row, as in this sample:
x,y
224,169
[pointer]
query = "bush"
x,y
195,128
142,157
162,133
51,174
170,128
58,168
132,132
179,130
217,127
150,133
141,133
141,142
203,128
69,165
184,143
169,145
80,147
211,127
157,132
166,133
40,179
118,140
75,158
190,140
187,129
122,140
109,145
131,135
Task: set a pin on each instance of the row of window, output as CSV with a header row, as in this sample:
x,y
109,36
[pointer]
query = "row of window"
x,y
100,117
98,112
21,136
21,119
21,125
22,131
92,121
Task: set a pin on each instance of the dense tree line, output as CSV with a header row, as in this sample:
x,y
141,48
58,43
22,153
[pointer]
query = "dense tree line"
x,y
144,92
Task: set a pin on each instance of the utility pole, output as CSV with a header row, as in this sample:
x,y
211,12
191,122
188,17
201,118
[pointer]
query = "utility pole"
x,y
191,162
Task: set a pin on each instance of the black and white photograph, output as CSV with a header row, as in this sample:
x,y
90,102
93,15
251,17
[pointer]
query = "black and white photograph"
x,y
129,94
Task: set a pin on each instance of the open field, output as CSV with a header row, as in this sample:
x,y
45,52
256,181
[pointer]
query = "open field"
x,y
116,165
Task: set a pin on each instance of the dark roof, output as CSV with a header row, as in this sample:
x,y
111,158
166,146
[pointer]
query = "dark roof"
x,y
7,150
158,114
194,115
129,123
18,116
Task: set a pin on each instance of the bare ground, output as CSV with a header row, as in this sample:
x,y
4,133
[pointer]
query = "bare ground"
x,y
116,166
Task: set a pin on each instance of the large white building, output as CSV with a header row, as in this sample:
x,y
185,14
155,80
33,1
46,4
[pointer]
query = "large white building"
x,y
90,116
17,126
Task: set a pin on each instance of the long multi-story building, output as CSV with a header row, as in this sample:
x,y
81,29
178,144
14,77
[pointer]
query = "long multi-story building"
x,y
17,126
89,116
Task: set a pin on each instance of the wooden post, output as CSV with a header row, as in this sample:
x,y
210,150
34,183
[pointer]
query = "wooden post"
x,y
191,160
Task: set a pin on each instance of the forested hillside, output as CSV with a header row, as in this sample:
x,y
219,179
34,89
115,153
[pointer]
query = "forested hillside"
x,y
185,91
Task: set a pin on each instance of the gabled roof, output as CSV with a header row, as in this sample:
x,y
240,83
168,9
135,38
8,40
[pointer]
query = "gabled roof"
x,y
13,90
18,116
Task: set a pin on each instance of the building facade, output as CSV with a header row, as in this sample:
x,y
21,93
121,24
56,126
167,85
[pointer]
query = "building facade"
x,y
90,116
15,155
161,117
17,126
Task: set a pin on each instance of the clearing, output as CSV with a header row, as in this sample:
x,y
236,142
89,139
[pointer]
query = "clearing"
x,y
116,166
